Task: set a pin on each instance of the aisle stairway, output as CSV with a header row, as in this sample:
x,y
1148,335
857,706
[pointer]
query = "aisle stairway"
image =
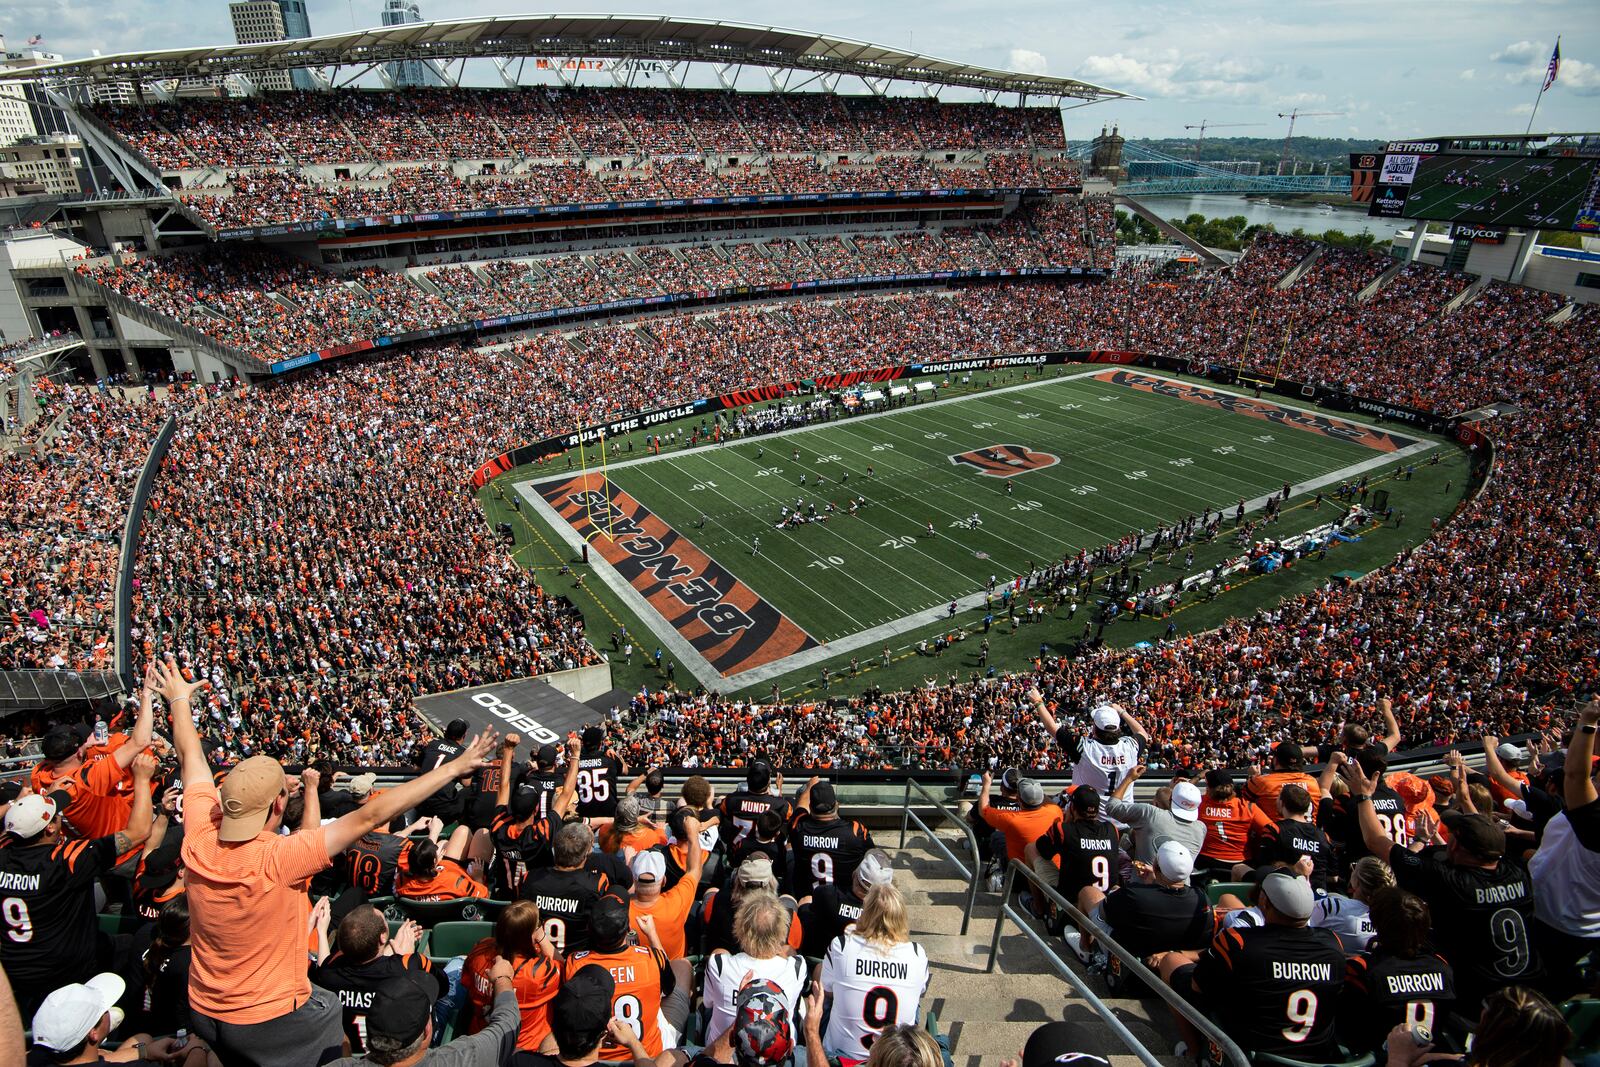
x,y
989,1016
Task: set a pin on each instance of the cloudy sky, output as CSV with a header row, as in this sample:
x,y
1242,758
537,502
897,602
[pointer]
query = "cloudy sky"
x,y
1391,68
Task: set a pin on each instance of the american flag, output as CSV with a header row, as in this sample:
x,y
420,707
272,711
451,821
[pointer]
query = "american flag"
x,y
1554,68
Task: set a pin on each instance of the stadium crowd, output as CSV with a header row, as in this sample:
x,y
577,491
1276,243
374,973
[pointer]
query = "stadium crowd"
x,y
220,294
488,124
1362,912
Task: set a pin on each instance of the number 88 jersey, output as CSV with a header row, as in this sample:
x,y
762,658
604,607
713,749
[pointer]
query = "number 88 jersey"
x,y
873,989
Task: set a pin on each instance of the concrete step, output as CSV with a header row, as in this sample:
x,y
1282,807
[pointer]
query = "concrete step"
x,y
990,1015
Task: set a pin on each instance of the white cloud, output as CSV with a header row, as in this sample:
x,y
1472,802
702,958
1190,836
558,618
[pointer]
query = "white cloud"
x,y
1468,75
1520,52
1027,61
1193,76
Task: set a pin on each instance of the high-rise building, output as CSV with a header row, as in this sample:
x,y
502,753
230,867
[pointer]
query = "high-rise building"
x,y
408,72
260,21
24,111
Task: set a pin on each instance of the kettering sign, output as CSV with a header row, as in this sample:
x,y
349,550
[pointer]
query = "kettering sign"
x,y
542,714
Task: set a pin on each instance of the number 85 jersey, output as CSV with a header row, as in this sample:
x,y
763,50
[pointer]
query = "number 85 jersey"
x,y
873,988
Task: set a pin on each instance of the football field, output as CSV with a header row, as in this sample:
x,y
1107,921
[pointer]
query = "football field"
x,y
1007,480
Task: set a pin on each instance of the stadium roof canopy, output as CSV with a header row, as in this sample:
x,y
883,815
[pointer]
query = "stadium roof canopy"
x,y
728,45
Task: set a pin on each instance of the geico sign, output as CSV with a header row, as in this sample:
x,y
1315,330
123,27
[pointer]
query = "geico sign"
x,y
515,719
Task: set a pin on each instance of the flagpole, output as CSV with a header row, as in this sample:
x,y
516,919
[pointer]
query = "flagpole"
x,y
1544,83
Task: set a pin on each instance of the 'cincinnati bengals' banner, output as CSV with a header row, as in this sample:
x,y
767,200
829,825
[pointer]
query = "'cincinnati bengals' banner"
x,y
726,622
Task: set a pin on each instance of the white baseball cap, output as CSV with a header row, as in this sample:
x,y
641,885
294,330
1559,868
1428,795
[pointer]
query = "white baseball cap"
x,y
1174,861
1106,716
1186,801
875,869
28,815
650,864
67,1015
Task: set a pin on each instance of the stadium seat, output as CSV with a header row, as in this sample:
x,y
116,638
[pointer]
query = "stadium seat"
x,y
125,923
432,912
1242,890
451,939
492,908
1583,1016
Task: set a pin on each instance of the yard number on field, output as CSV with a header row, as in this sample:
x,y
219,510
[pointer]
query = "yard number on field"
x,y
702,485
827,561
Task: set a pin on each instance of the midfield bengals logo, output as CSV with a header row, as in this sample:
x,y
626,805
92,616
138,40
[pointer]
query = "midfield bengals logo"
x,y
1005,461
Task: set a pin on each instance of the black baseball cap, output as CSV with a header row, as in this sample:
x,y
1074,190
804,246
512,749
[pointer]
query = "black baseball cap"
x,y
1217,777
546,756
758,776
593,736
58,744
608,922
823,798
400,1011
524,802
1478,834
583,1006
1085,798
1062,1043
1009,779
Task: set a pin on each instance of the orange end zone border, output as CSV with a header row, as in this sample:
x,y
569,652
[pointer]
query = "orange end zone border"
x,y
1310,421
726,622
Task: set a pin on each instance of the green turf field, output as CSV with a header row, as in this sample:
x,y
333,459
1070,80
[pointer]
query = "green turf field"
x,y
1125,460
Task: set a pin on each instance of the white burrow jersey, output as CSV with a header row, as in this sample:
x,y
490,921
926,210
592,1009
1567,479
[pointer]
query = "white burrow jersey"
x,y
872,989
1096,763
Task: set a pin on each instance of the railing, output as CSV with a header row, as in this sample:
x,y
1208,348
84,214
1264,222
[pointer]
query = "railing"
x,y
1134,967
132,524
36,687
972,876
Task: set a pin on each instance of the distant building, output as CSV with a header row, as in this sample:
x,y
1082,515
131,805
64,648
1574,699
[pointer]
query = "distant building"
x,y
409,73
41,165
1250,168
261,21
42,119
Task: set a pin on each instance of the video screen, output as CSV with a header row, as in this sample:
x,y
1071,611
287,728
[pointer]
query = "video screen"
x,y
1550,193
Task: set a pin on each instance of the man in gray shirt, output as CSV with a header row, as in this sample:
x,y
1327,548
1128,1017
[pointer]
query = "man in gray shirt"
x,y
1153,825
400,1027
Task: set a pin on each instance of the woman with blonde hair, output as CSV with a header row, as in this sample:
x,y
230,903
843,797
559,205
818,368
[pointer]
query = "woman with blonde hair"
x,y
875,974
761,927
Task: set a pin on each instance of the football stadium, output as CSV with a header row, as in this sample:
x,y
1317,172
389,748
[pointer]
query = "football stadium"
x,y
570,539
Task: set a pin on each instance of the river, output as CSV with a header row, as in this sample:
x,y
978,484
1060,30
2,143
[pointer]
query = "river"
x,y
1313,218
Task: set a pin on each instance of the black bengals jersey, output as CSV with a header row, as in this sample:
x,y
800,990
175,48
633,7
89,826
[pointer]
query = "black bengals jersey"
x,y
566,899
825,850
355,984
48,931
1291,839
374,860
598,776
741,808
1343,826
1382,991
1275,989
545,783
1488,917
1088,855
519,848
832,909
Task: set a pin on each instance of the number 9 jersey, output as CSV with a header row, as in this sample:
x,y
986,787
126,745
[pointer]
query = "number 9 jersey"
x,y
873,989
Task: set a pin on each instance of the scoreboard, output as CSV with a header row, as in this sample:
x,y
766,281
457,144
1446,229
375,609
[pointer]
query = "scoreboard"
x,y
1428,180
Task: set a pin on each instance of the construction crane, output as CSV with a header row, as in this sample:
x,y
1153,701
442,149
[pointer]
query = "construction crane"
x,y
1204,126
1291,116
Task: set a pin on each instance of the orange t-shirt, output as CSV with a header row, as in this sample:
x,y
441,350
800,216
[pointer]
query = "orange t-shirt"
x,y
248,913
637,1000
670,911
641,839
535,982
450,881
1229,824
1023,827
1264,790
96,808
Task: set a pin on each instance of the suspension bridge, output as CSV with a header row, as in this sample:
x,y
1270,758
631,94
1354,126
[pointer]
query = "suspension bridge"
x,y
1152,172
